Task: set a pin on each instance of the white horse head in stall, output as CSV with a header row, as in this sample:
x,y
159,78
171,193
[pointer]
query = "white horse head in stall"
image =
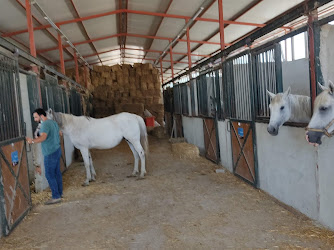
x,y
287,107
105,133
322,121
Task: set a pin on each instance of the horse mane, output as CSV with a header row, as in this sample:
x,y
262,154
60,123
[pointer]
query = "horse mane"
x,y
300,108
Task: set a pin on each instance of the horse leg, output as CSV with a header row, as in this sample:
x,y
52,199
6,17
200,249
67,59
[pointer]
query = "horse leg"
x,y
85,156
92,170
136,156
141,153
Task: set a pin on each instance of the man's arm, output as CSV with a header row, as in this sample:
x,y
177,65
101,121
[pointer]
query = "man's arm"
x,y
42,138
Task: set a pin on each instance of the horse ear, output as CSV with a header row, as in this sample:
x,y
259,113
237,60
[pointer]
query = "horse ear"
x,y
272,95
322,87
287,92
331,86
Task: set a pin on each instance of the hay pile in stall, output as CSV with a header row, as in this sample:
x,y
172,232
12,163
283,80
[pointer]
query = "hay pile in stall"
x,y
185,150
126,88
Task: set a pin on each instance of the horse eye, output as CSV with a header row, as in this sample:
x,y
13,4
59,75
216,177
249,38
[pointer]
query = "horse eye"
x,y
282,107
323,108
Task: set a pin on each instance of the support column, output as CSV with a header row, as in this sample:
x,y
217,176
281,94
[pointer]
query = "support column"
x,y
312,16
188,48
76,67
221,24
30,29
61,54
162,73
171,61
33,48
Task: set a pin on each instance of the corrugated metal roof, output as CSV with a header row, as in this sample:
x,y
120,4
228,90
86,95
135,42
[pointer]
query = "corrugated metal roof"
x,y
146,33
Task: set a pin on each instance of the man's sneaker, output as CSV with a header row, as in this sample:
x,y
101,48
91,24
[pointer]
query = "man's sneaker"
x,y
52,201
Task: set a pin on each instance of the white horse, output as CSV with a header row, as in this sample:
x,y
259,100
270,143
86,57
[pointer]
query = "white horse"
x,y
322,121
105,133
288,107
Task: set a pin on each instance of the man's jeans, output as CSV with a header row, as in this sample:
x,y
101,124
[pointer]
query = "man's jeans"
x,y
53,174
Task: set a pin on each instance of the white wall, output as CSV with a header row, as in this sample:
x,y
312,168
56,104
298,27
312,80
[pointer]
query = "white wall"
x,y
27,119
224,136
327,52
69,151
194,132
326,184
296,75
287,168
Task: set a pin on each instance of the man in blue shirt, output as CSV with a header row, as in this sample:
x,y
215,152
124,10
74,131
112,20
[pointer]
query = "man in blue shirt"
x,y
49,137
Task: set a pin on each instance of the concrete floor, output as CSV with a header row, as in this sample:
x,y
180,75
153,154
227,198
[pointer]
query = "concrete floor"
x,y
182,204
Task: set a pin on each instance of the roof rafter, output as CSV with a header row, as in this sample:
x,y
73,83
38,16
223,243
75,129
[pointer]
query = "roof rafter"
x,y
8,34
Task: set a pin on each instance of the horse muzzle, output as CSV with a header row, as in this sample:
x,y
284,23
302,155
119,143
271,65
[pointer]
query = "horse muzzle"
x,y
315,137
272,130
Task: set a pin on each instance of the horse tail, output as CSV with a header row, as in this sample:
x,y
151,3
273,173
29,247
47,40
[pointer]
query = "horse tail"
x,y
143,134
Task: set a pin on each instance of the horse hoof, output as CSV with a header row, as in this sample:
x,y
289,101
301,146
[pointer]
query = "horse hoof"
x,y
131,176
140,178
92,180
85,184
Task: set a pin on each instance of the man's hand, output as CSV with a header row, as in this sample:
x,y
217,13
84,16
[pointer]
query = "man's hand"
x,y
29,140
38,170
60,133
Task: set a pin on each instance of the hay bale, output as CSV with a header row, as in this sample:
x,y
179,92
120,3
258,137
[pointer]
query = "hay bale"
x,y
185,150
116,68
134,108
159,132
105,74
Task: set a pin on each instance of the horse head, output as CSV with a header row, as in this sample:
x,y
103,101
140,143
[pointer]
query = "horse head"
x,y
322,121
50,114
280,110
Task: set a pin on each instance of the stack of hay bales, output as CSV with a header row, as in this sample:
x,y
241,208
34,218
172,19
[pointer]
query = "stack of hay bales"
x,y
123,88
84,77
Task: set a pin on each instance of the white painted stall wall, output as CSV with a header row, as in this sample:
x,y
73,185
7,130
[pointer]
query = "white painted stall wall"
x,y
296,74
27,117
193,131
327,52
69,150
326,181
287,168
225,147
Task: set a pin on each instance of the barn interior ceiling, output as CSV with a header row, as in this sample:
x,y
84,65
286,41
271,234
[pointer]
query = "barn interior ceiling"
x,y
108,32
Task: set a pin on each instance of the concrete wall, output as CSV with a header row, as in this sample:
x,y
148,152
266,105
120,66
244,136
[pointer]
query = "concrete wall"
x,y
224,136
69,151
326,183
296,74
27,117
327,52
287,168
193,131
296,173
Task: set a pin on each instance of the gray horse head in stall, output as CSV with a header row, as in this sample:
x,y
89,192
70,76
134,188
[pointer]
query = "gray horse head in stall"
x,y
287,107
322,121
280,110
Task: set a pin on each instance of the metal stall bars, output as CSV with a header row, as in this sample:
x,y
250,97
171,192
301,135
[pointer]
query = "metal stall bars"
x,y
208,99
34,99
15,200
54,95
267,69
177,115
75,102
239,108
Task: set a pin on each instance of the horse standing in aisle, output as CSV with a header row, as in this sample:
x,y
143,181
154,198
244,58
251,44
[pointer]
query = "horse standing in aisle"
x,y
287,107
86,133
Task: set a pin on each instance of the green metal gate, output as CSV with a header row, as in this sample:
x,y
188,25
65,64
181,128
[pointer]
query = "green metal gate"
x,y
239,108
15,199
